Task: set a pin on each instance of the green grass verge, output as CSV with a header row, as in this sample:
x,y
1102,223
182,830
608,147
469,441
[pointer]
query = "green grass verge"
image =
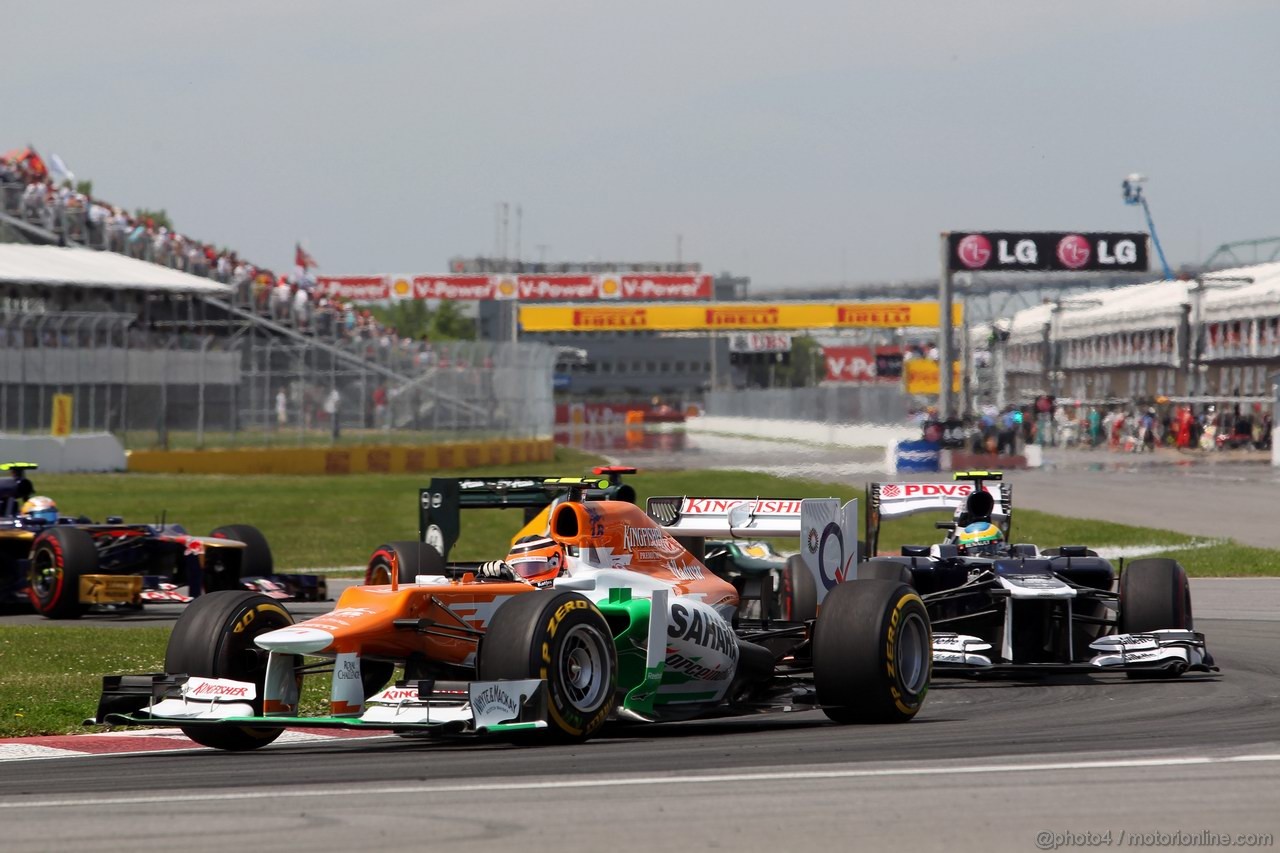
x,y
50,676
327,521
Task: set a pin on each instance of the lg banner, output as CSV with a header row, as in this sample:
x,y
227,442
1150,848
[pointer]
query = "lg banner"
x,y
1047,251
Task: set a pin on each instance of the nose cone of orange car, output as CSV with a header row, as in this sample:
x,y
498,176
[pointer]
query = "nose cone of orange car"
x,y
295,640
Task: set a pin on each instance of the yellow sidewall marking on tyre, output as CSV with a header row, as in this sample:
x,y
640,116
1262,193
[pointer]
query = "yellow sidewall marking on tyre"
x,y
890,650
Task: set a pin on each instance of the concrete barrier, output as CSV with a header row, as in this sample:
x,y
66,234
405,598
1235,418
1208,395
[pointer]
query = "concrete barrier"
x,y
844,435
99,451
379,459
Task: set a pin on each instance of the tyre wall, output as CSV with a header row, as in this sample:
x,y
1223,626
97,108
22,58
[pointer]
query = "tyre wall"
x,y
390,459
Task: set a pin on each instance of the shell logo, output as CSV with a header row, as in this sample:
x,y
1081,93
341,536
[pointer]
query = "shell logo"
x,y
506,287
609,286
402,288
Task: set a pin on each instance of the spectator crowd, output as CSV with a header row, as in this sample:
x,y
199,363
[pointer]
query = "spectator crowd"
x,y
31,193
1123,428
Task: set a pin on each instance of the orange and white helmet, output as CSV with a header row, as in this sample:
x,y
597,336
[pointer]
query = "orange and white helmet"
x,y
41,508
537,559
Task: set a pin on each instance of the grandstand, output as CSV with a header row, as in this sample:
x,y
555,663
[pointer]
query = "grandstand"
x,y
166,342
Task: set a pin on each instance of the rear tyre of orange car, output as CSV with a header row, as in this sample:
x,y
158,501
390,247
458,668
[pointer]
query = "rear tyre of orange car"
x,y
1154,595
214,638
59,556
255,558
562,638
411,559
872,652
798,599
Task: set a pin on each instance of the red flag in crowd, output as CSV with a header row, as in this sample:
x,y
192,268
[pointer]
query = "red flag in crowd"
x,y
302,258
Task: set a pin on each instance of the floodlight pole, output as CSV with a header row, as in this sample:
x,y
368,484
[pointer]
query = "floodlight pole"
x,y
945,355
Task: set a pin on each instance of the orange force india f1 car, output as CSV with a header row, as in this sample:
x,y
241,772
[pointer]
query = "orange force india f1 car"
x,y
610,616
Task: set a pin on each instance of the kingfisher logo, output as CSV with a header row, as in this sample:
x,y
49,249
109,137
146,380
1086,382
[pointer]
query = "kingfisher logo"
x,y
1073,251
974,251
744,316
212,688
610,318
721,506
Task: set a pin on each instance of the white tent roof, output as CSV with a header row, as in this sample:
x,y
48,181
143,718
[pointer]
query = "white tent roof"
x,y
1155,305
67,267
1244,301
1028,325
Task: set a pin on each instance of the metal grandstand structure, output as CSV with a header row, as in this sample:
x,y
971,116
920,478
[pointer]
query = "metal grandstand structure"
x,y
163,358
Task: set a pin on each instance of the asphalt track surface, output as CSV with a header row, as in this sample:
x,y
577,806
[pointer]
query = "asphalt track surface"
x,y
990,765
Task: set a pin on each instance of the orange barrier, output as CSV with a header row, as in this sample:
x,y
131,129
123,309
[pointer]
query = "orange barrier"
x,y
378,459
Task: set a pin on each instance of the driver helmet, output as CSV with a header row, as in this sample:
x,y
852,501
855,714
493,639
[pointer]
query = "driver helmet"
x,y
537,559
42,509
980,539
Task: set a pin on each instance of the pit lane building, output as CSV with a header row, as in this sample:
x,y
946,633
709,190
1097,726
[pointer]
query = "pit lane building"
x,y
1213,337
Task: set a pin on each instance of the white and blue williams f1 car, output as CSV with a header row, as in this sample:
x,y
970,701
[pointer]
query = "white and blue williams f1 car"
x,y
997,607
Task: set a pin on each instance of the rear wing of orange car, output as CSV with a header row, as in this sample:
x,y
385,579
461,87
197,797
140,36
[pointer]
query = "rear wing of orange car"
x,y
827,530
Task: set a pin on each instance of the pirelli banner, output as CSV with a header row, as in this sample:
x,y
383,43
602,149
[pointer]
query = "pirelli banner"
x,y
731,316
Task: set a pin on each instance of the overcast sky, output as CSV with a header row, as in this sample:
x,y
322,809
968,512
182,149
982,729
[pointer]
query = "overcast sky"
x,y
797,143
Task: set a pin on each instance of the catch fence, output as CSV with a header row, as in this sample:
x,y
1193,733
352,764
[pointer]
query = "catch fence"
x,y
176,388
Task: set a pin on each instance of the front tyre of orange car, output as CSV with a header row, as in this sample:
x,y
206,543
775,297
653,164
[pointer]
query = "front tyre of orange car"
x,y
563,639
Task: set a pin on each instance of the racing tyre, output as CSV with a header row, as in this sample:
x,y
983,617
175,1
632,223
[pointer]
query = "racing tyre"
x,y
59,556
1154,594
412,558
562,638
255,559
214,638
872,652
884,570
798,599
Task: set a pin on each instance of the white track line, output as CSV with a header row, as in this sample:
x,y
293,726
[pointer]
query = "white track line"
x,y
637,781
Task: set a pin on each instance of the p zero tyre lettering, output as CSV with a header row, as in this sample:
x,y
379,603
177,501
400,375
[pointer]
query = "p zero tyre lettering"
x,y
872,652
214,638
561,638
